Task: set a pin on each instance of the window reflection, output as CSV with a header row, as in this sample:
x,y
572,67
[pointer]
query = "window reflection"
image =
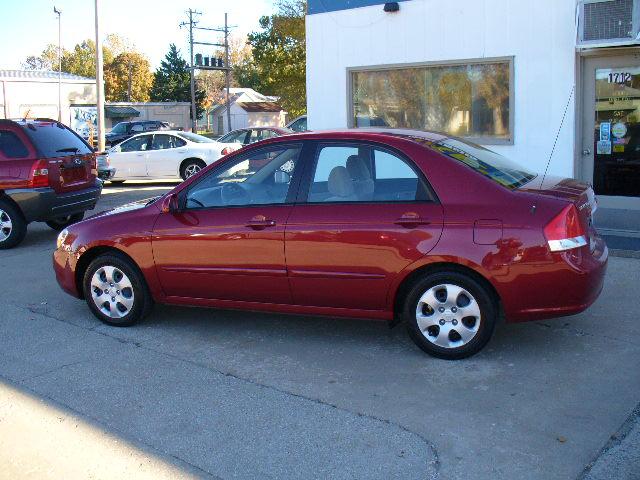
x,y
463,100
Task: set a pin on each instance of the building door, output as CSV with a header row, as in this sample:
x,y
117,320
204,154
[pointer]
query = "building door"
x,y
611,129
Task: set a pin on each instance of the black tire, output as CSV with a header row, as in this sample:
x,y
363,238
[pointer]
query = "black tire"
x,y
60,223
486,320
194,162
142,300
117,182
12,235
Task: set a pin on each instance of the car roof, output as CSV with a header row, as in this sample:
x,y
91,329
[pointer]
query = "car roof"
x,y
368,133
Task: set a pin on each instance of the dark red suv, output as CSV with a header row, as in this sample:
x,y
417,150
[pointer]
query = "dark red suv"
x,y
388,224
47,174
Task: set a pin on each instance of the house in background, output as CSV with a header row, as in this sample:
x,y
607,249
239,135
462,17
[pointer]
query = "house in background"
x,y
248,108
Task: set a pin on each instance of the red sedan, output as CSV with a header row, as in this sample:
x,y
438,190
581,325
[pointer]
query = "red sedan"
x,y
396,225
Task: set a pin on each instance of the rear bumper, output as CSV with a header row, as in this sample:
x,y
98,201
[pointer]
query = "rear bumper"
x,y
42,204
572,287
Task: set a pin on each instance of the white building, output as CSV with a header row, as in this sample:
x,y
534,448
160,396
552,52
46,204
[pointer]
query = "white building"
x,y
499,72
248,109
33,93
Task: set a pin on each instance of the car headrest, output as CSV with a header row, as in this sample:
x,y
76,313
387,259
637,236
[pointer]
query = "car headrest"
x,y
340,183
357,168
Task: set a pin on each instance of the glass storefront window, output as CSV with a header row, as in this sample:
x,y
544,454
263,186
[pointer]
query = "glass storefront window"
x,y
616,168
467,100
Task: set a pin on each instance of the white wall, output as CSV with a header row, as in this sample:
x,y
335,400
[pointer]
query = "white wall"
x,y
40,99
540,35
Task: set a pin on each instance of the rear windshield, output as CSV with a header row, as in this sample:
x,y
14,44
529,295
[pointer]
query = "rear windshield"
x,y
484,161
54,141
195,137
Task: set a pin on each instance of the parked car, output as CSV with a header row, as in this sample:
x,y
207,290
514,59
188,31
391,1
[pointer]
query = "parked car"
x,y
237,139
160,155
395,225
124,130
298,124
47,174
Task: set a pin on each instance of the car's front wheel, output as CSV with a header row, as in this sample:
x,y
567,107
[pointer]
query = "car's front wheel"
x,y
450,315
115,291
13,227
60,223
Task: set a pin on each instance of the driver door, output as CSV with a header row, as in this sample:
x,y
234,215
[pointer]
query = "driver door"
x,y
226,242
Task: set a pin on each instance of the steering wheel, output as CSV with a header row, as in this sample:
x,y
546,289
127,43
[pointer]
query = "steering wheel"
x,y
233,193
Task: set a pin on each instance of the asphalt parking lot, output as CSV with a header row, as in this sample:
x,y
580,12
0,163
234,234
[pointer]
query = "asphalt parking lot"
x,y
195,393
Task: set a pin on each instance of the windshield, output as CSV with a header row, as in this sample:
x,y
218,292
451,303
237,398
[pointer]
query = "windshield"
x,y
484,161
192,137
119,128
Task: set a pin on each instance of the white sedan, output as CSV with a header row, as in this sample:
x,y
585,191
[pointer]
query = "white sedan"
x,y
163,154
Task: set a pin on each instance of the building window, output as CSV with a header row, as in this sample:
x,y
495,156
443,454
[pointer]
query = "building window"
x,y
472,100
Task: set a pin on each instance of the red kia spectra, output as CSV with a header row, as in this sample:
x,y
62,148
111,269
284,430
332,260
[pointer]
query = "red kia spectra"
x,y
386,224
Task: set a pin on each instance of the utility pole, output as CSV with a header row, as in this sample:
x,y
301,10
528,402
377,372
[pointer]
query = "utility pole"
x,y
206,66
59,13
129,85
192,23
99,81
228,70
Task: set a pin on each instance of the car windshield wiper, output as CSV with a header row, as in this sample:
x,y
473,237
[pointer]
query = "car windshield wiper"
x,y
68,149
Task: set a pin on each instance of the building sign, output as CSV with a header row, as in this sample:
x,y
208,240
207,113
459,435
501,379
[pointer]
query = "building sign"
x,y
619,130
84,120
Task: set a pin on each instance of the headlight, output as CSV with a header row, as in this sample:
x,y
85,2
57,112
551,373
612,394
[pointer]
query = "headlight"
x,y
62,236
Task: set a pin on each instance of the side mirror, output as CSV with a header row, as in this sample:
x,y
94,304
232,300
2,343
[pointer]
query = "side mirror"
x,y
170,203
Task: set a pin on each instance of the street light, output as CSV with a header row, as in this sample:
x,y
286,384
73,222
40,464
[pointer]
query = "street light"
x,y
59,13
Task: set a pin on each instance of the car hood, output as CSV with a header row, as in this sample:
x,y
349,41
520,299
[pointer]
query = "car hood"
x,y
127,207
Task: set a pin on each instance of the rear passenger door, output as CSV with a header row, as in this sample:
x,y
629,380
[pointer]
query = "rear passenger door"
x,y
167,151
364,213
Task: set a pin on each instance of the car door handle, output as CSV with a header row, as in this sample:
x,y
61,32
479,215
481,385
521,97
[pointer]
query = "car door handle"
x,y
260,222
411,220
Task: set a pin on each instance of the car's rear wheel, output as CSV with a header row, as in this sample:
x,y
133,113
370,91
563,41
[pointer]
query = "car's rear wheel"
x,y
450,315
115,291
60,223
13,227
191,167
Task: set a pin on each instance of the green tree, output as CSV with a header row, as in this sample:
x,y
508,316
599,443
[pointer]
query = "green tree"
x,y
47,60
172,81
277,65
116,78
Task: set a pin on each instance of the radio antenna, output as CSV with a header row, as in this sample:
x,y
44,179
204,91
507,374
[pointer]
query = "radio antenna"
x,y
557,136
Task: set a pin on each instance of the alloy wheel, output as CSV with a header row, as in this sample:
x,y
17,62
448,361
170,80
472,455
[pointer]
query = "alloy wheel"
x,y
112,291
192,169
448,316
6,225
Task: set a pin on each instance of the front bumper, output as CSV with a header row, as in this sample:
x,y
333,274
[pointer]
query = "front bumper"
x,y
64,267
42,204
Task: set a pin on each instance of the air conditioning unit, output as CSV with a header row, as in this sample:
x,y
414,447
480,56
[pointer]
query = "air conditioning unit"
x,y
608,22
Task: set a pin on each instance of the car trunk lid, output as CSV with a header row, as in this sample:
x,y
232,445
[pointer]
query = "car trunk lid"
x,y
70,162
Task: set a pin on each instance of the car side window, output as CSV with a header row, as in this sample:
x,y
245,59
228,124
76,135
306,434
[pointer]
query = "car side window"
x,y
11,147
137,128
163,142
234,137
261,177
257,135
136,144
363,173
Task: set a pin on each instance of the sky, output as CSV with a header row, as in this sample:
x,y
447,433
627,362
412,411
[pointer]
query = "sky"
x,y
150,25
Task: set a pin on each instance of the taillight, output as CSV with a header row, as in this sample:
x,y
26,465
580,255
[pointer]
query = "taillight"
x,y
40,174
226,150
94,165
565,231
